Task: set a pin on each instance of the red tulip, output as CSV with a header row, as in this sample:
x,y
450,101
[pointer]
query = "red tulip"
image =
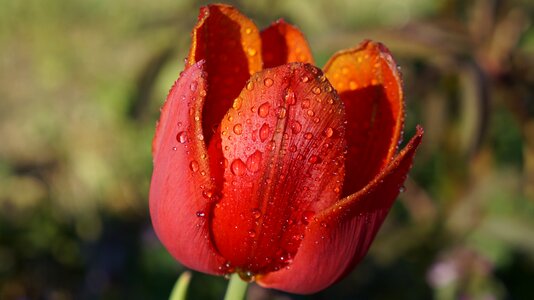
x,y
266,166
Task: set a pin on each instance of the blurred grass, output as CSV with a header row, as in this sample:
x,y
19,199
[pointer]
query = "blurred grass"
x,y
80,87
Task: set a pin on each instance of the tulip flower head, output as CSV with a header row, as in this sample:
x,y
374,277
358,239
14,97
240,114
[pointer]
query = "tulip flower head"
x,y
266,165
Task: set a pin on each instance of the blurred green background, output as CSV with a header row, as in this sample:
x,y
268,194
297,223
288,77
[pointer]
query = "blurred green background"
x,y
81,82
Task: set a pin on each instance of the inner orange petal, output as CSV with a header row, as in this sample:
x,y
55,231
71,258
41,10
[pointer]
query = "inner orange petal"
x,y
230,44
283,43
369,84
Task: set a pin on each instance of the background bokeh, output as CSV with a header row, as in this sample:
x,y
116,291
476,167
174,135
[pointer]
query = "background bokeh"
x,y
81,82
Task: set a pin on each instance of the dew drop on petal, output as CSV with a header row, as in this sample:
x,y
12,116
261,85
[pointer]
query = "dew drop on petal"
x,y
314,159
328,132
237,103
250,86
193,86
281,112
252,233
193,166
251,51
316,90
238,128
296,127
238,167
271,145
173,148
181,137
307,216
264,132
308,135
290,97
200,214
305,103
268,82
254,161
305,78
263,110
256,213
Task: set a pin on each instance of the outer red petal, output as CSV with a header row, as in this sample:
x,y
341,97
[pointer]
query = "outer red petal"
x,y
369,84
283,43
341,235
180,205
230,44
283,142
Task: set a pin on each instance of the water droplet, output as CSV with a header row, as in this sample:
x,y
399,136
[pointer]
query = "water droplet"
x,y
251,51
290,97
305,78
252,233
316,90
402,189
238,128
308,135
174,148
328,132
271,145
248,30
238,167
264,132
200,137
307,216
237,103
250,86
193,86
305,103
324,225
256,213
316,120
268,82
263,110
200,214
281,112
254,161
247,276
310,113
193,166
328,88
296,127
292,148
181,137
314,159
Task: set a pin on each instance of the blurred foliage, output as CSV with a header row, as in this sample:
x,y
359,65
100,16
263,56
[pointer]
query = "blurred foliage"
x,y
80,87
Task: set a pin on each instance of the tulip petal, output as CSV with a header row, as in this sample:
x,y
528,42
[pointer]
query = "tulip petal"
x,y
181,191
369,84
284,43
283,142
340,236
230,44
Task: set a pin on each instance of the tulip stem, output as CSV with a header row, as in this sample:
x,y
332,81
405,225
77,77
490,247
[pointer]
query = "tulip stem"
x,y
237,288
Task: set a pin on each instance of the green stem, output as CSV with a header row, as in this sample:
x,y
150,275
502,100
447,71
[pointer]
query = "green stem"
x,y
180,288
237,288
